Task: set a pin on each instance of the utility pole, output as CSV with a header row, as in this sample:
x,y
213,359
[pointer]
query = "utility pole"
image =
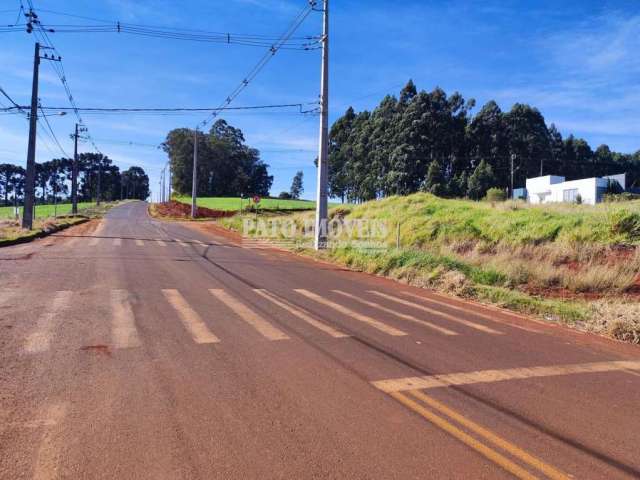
x,y
98,195
322,200
194,185
513,157
169,171
74,170
30,177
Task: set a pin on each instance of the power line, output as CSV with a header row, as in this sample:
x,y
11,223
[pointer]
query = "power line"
x,y
255,40
53,135
300,106
41,34
253,73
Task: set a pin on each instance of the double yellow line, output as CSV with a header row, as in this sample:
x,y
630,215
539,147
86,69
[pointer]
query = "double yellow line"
x,y
472,442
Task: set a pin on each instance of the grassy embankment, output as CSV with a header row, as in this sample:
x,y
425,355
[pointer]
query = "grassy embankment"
x,y
575,264
45,222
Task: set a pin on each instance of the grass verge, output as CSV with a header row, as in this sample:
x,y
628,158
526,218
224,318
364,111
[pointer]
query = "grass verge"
x,y
572,264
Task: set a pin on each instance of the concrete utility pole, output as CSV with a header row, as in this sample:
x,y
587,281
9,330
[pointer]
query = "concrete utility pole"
x,y
30,177
322,200
513,157
194,186
169,175
99,193
74,171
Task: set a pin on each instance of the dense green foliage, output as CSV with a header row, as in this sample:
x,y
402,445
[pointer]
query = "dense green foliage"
x,y
226,165
297,186
429,141
96,172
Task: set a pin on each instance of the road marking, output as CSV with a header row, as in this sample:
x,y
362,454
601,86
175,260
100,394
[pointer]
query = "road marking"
x,y
48,457
117,242
200,243
353,314
300,313
181,243
94,241
139,243
465,438
467,310
123,327
490,376
40,340
190,318
410,318
161,243
248,315
488,435
469,324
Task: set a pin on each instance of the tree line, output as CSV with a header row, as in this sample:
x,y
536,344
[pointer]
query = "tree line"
x,y
96,173
227,166
430,141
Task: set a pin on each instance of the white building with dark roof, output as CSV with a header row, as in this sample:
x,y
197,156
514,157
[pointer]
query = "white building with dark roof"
x,y
555,189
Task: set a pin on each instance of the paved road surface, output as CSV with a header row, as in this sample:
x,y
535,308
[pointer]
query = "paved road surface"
x,y
150,350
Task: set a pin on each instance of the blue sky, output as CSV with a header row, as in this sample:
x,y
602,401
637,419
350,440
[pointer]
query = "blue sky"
x,y
576,61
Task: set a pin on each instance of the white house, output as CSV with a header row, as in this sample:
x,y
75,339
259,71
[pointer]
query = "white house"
x,y
552,188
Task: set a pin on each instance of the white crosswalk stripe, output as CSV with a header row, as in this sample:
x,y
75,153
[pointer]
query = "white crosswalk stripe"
x,y
161,243
475,312
372,322
117,242
123,327
432,311
181,243
139,243
404,316
190,318
94,242
249,316
40,339
300,313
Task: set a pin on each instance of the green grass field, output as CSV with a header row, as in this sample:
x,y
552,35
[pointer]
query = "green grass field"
x,y
231,204
43,211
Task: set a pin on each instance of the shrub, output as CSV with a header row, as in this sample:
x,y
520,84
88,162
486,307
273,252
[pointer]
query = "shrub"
x,y
496,195
626,223
622,197
285,196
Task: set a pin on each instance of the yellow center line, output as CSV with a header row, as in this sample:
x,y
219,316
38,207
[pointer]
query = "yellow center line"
x,y
465,438
517,452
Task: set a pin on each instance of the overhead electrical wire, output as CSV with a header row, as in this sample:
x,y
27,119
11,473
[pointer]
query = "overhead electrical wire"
x,y
41,34
53,135
253,40
253,73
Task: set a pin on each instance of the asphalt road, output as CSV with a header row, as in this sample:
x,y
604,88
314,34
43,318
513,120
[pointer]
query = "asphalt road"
x,y
151,350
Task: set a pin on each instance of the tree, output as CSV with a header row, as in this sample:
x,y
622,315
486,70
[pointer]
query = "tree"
x,y
226,165
7,171
297,186
435,182
135,184
528,141
480,181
